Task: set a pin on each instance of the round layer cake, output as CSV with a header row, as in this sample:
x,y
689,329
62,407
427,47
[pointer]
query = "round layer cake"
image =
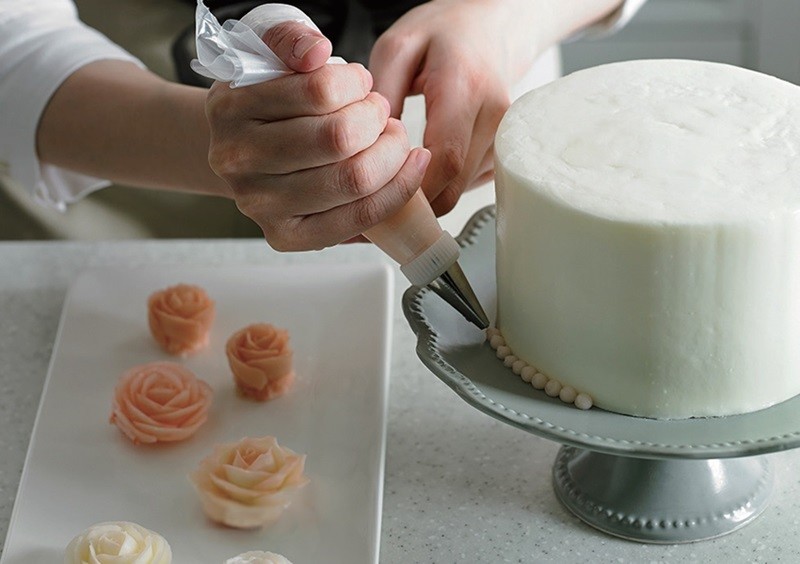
x,y
648,236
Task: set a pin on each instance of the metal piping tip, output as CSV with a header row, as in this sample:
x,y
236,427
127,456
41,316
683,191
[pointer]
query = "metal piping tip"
x,y
454,288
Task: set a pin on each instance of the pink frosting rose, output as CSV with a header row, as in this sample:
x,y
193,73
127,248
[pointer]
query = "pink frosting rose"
x,y
249,483
180,318
261,361
160,402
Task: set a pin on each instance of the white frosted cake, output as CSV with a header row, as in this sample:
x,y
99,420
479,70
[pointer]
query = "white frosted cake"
x,y
648,236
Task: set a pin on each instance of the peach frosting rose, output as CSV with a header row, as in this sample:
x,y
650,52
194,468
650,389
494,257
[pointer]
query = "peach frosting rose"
x,y
258,557
180,318
248,483
118,543
160,402
261,360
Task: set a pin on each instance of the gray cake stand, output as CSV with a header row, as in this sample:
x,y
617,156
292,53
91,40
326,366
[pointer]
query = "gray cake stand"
x,y
643,479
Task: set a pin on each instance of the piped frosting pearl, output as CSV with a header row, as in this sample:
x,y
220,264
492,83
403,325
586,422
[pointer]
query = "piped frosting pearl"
x,y
568,394
583,401
527,373
539,381
552,388
497,341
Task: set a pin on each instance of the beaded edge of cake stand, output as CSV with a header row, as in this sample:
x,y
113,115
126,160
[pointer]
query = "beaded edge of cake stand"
x,y
532,376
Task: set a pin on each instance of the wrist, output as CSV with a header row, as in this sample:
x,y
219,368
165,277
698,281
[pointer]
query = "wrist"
x,y
548,22
183,107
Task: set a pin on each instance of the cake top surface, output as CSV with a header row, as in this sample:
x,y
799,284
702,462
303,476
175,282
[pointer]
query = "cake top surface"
x,y
663,141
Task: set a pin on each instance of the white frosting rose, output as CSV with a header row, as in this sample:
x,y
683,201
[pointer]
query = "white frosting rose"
x,y
258,557
118,543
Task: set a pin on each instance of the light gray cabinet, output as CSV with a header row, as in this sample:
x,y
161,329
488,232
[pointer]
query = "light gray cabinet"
x,y
759,34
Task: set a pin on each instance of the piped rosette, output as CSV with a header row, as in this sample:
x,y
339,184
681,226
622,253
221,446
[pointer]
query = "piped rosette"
x,y
118,542
249,483
180,318
261,361
160,402
258,557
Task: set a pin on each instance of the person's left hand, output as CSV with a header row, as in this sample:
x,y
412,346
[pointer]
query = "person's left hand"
x,y
463,55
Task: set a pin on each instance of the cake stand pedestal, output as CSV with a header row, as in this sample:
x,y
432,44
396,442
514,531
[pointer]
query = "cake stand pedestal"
x,y
661,501
643,479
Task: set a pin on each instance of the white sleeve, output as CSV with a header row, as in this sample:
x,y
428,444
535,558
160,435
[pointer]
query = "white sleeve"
x,y
42,42
612,23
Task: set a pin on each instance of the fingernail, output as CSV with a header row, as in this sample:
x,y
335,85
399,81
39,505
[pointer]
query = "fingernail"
x,y
422,158
304,44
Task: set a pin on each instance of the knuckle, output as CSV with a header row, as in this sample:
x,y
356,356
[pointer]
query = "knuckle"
x,y
474,82
452,160
368,212
246,199
228,160
321,90
280,237
340,136
212,108
390,44
356,178
277,241
365,76
219,106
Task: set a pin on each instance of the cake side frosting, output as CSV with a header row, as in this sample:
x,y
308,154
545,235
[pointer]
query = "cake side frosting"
x,y
660,280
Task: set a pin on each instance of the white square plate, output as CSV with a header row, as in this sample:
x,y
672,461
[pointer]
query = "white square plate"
x,y
81,470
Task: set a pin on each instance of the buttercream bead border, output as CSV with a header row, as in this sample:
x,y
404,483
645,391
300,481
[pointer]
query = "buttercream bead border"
x,y
530,375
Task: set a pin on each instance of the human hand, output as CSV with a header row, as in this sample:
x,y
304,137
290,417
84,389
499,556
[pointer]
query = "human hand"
x,y
314,158
463,56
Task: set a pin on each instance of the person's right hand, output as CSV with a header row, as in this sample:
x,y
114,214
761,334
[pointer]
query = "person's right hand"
x,y
313,157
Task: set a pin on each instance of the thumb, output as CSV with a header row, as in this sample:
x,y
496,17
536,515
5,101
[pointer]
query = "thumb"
x,y
301,48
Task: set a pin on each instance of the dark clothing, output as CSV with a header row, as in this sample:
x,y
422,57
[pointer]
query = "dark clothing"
x,y
352,25
382,13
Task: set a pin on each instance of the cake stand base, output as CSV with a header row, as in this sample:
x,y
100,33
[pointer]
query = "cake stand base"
x,y
661,501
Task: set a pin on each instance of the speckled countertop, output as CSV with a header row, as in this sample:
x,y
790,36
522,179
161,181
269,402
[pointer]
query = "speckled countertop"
x,y
460,486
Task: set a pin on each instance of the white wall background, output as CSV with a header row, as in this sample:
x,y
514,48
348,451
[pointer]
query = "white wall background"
x,y
762,35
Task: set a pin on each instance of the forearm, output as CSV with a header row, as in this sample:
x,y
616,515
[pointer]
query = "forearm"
x,y
547,22
114,120
555,20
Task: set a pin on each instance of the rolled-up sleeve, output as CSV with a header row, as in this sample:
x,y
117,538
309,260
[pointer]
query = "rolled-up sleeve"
x,y
42,42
